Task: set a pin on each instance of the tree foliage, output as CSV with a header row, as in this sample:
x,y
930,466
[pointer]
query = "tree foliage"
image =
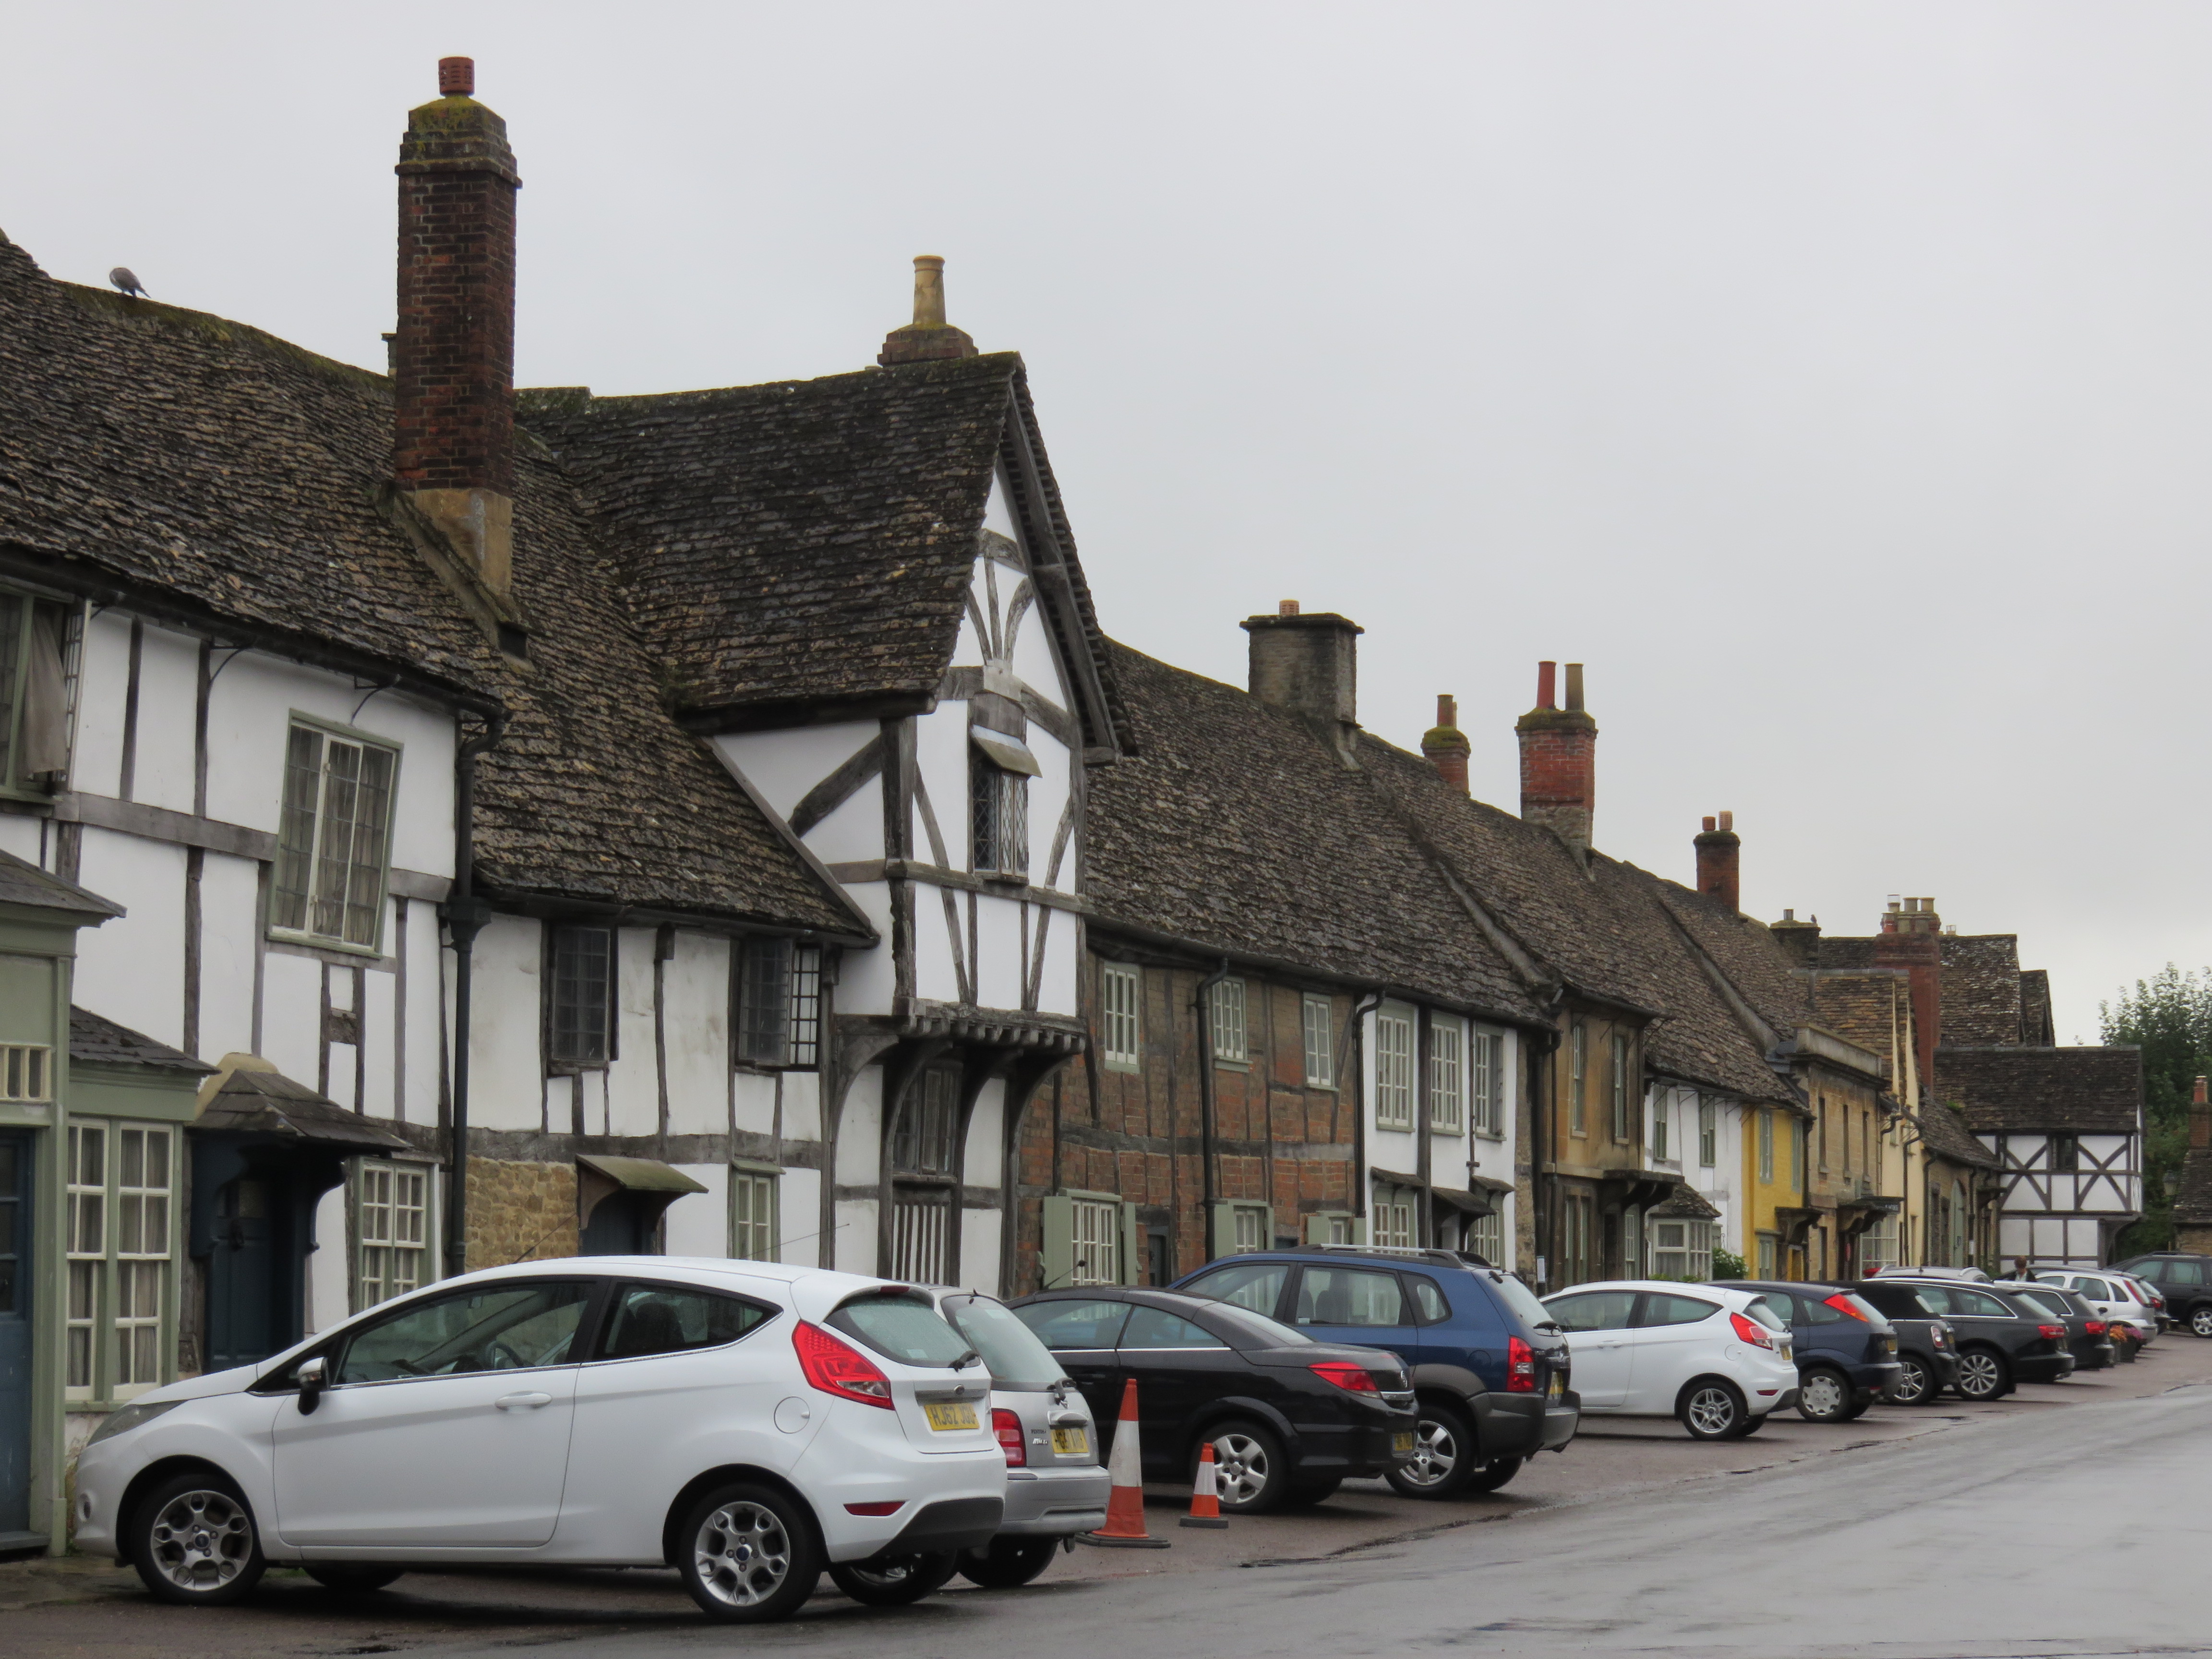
x,y
2170,1016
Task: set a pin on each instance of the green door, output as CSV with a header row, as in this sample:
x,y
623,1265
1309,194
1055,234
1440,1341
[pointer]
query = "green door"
x,y
15,1333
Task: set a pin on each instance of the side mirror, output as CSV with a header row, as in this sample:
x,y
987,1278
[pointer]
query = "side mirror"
x,y
312,1375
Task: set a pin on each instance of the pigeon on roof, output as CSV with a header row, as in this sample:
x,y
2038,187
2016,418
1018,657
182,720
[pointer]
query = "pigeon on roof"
x,y
123,278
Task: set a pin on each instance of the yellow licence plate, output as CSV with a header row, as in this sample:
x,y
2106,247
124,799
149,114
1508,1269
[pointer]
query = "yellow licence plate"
x,y
1555,1388
945,1419
1070,1442
1401,1443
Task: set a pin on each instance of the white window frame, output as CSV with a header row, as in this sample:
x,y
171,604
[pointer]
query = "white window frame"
x,y
1767,1144
394,1213
1447,1076
86,1253
756,1213
1394,1070
1392,1224
1225,1016
1623,1130
1318,1017
1659,1116
1487,1082
1682,1249
1709,1132
1485,1236
1248,1225
1096,1253
331,738
1578,1079
1121,1016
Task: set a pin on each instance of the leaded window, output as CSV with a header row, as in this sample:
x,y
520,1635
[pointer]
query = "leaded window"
x,y
582,986
1394,1071
999,802
332,843
780,1003
1120,991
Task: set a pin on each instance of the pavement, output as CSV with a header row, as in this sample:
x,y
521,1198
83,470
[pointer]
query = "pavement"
x,y
2066,1519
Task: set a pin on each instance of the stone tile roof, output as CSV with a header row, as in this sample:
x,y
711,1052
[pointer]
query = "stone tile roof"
x,y
1981,989
809,543
96,1039
1872,1008
1234,829
1943,1128
2010,1088
2192,1195
2037,1028
23,883
261,1100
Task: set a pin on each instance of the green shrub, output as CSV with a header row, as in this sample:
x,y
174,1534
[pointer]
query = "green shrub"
x,y
1727,1264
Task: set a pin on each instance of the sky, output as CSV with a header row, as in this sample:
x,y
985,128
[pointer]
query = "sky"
x,y
1830,378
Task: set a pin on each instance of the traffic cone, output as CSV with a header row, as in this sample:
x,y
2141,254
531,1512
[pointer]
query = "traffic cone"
x,y
1205,1491
1125,1509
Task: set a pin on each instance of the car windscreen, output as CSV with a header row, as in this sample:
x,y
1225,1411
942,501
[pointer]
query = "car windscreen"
x,y
1256,1329
1519,1298
901,1325
1018,1360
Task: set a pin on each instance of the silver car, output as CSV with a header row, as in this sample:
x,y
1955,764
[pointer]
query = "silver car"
x,y
1055,1484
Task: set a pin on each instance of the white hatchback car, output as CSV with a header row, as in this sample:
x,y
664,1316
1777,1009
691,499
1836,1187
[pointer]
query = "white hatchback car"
x,y
2116,1297
745,1423
1717,1360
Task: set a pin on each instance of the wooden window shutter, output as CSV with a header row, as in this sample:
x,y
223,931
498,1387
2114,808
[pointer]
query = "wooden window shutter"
x,y
1059,1253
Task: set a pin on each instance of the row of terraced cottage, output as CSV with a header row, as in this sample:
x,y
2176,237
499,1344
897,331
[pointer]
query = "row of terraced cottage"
x,y
442,825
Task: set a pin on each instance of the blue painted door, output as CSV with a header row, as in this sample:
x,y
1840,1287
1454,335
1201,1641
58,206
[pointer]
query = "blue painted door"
x,y
15,1266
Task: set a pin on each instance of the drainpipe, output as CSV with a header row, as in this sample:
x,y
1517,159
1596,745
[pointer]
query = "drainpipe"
x,y
1204,1003
1367,1005
1543,1189
464,915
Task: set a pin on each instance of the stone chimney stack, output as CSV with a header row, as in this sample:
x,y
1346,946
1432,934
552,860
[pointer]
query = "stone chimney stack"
x,y
1718,847
928,337
2200,1117
452,359
1559,760
1309,663
1446,745
1912,940
1802,940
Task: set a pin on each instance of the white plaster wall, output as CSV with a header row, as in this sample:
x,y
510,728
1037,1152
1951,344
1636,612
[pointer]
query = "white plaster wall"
x,y
1034,660
854,834
998,511
979,1249
1048,801
983,1164
506,1084
379,1005
940,758
854,1251
782,766
96,760
327,1290
229,941
861,1132
699,1223
802,1105
168,694
968,647
798,1212
21,836
868,978
426,960
633,1079
1056,989
756,1103
997,970
934,972
292,1015
131,969
697,1028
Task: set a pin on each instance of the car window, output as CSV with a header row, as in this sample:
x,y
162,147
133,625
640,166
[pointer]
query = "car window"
x,y
1264,1331
2049,1301
1435,1309
1154,1327
1256,1286
1064,1325
662,1319
2184,1272
1976,1304
1350,1296
1935,1299
1521,1299
1661,1309
904,1326
1815,1311
1016,1359
497,1328
2095,1287
1594,1311
1763,1310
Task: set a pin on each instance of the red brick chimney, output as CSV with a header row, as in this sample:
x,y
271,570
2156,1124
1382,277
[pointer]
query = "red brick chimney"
x,y
452,359
1446,745
929,337
1718,847
1559,760
1912,939
2200,1118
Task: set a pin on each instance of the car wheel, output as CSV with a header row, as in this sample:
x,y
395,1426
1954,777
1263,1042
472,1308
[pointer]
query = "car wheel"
x,y
1983,1374
1823,1395
1444,1458
896,1582
748,1554
1249,1465
1491,1475
1915,1384
347,1579
2200,1319
194,1542
1712,1410
1009,1564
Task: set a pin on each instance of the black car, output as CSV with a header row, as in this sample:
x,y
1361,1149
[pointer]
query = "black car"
x,y
2002,1343
1289,1417
2087,1338
2185,1280
1846,1350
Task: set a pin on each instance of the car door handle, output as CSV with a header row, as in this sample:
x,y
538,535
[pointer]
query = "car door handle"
x,y
516,1402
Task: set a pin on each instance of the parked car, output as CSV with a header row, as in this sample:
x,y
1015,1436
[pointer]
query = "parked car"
x,y
1490,1370
1846,1351
1717,1360
1969,1275
1056,1486
2001,1343
2087,1338
2185,1282
2125,1303
595,1412
2145,1292
1290,1419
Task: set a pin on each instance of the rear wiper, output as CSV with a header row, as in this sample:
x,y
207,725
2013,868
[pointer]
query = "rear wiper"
x,y
1550,1325
966,1360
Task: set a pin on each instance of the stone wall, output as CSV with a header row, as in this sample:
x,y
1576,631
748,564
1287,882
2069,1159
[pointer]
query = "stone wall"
x,y
520,1211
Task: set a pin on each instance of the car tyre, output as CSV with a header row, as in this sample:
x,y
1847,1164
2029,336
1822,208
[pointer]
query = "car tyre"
x,y
1751,1425
1009,1564
2200,1319
1712,1409
194,1541
1983,1374
1916,1383
349,1579
1254,1473
748,1554
898,1581
1443,1460
1823,1395
1494,1473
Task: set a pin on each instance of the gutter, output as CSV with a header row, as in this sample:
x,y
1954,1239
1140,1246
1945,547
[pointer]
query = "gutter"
x,y
1361,1196
464,915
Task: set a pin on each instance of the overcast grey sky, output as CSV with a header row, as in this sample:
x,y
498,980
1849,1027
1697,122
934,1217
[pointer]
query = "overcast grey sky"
x,y
1831,377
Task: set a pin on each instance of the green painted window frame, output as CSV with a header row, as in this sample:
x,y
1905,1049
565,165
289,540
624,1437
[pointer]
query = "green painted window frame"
x,y
97,1220
755,1237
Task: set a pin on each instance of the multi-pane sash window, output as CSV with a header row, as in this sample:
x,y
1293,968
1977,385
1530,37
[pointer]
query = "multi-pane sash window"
x,y
1394,1071
582,985
1660,1098
1766,1143
1318,1017
752,1216
1393,1218
1098,1242
929,1124
1488,1091
1709,1132
333,841
26,1071
1250,1224
1447,1078
1800,1143
1485,1236
1577,1077
1682,1249
1620,1087
119,1193
1226,1014
1766,1256
999,802
1121,991
780,1003
141,1254
87,1249
391,1217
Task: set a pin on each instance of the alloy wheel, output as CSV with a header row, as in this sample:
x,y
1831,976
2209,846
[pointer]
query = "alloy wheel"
x,y
2200,1320
1240,1465
1912,1386
201,1540
742,1554
1979,1374
1436,1454
1711,1411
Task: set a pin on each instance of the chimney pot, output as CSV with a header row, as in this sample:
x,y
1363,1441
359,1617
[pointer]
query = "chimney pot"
x,y
1711,825
1728,820
1446,746
1575,686
1286,607
1559,760
1546,676
1788,915
457,77
928,337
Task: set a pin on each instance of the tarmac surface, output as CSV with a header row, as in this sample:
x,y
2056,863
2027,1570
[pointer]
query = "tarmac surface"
x,y
2070,1520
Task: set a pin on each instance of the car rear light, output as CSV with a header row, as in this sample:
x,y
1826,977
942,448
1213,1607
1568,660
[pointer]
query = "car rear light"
x,y
1520,1366
891,1508
835,1366
1007,1428
1841,1302
1751,1331
2055,1332
2095,1327
1352,1379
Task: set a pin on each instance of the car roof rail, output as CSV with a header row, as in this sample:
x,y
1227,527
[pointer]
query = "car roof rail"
x,y
1407,1252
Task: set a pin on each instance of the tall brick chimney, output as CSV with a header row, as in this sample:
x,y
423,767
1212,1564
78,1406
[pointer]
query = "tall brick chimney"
x,y
1309,663
1718,847
1446,745
1559,760
1912,939
452,359
929,337
2200,1117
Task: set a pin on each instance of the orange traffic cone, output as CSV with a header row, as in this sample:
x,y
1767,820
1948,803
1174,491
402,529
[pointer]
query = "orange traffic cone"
x,y
1125,1509
1205,1491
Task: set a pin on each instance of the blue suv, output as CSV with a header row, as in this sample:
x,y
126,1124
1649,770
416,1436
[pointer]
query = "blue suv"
x,y
1490,1368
